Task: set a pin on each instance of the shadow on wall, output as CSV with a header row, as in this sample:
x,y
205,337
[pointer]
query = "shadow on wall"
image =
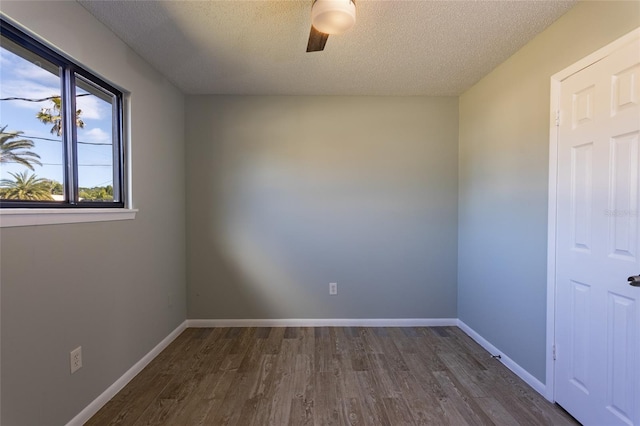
x,y
279,207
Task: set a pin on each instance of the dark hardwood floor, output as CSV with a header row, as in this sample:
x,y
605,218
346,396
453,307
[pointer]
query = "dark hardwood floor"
x,y
327,376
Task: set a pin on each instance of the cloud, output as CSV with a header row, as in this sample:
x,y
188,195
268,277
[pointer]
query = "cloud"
x,y
24,79
6,57
91,106
5,61
95,135
30,71
26,89
39,69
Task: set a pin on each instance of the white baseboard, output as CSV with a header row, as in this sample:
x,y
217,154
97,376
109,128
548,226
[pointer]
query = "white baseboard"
x,y
536,384
112,390
324,322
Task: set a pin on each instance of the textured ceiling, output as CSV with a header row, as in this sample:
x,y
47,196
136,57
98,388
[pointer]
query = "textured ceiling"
x,y
258,47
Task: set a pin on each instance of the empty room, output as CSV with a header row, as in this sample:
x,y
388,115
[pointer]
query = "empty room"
x,y
327,212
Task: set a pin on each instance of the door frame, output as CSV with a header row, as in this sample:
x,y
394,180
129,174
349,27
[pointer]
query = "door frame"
x,y
555,117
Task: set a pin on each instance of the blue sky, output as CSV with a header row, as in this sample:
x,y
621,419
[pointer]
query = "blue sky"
x,y
21,78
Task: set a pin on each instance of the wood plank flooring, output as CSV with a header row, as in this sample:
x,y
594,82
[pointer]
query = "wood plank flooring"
x,y
327,376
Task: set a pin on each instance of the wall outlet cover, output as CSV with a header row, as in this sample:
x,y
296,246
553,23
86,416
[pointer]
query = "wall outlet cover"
x,y
75,357
333,289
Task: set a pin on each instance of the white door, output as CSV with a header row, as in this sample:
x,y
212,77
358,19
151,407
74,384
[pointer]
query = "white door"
x,y
597,330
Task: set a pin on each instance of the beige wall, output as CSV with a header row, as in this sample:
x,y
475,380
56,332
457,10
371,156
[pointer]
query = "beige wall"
x,y
288,194
504,156
106,285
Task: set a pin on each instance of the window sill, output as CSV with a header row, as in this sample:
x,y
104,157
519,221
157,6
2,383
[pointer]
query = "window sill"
x,y
33,217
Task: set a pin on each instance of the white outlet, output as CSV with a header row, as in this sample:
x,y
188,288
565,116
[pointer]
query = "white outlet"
x,y
333,289
75,357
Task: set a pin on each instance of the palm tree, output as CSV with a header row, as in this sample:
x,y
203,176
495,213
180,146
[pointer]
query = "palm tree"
x,y
17,151
56,187
53,116
26,187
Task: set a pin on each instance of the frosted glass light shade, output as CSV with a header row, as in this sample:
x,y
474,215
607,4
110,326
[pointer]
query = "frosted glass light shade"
x,y
333,16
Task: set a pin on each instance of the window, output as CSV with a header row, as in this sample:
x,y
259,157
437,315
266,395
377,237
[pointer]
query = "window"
x,y
61,142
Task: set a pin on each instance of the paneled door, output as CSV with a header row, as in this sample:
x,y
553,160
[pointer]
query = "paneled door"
x,y
597,317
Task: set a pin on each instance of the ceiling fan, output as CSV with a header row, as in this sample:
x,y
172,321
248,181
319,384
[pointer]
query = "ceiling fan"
x,y
329,17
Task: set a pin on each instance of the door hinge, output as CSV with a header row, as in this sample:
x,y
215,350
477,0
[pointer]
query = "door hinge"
x,y
554,352
558,118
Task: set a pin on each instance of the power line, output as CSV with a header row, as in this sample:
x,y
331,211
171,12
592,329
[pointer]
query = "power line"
x,y
48,98
60,141
60,164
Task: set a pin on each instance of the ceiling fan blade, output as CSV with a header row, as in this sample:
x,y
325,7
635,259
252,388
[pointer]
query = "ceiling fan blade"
x,y
317,40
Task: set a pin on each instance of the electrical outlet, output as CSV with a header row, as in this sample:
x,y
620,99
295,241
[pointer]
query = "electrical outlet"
x,y
75,357
333,289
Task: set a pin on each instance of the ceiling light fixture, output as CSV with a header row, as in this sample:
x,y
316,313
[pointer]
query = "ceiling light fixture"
x,y
333,16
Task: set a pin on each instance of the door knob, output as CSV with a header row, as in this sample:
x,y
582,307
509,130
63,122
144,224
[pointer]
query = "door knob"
x,y
634,280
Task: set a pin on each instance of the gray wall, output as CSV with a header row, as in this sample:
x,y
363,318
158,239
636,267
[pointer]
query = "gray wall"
x,y
106,285
287,194
284,195
504,157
